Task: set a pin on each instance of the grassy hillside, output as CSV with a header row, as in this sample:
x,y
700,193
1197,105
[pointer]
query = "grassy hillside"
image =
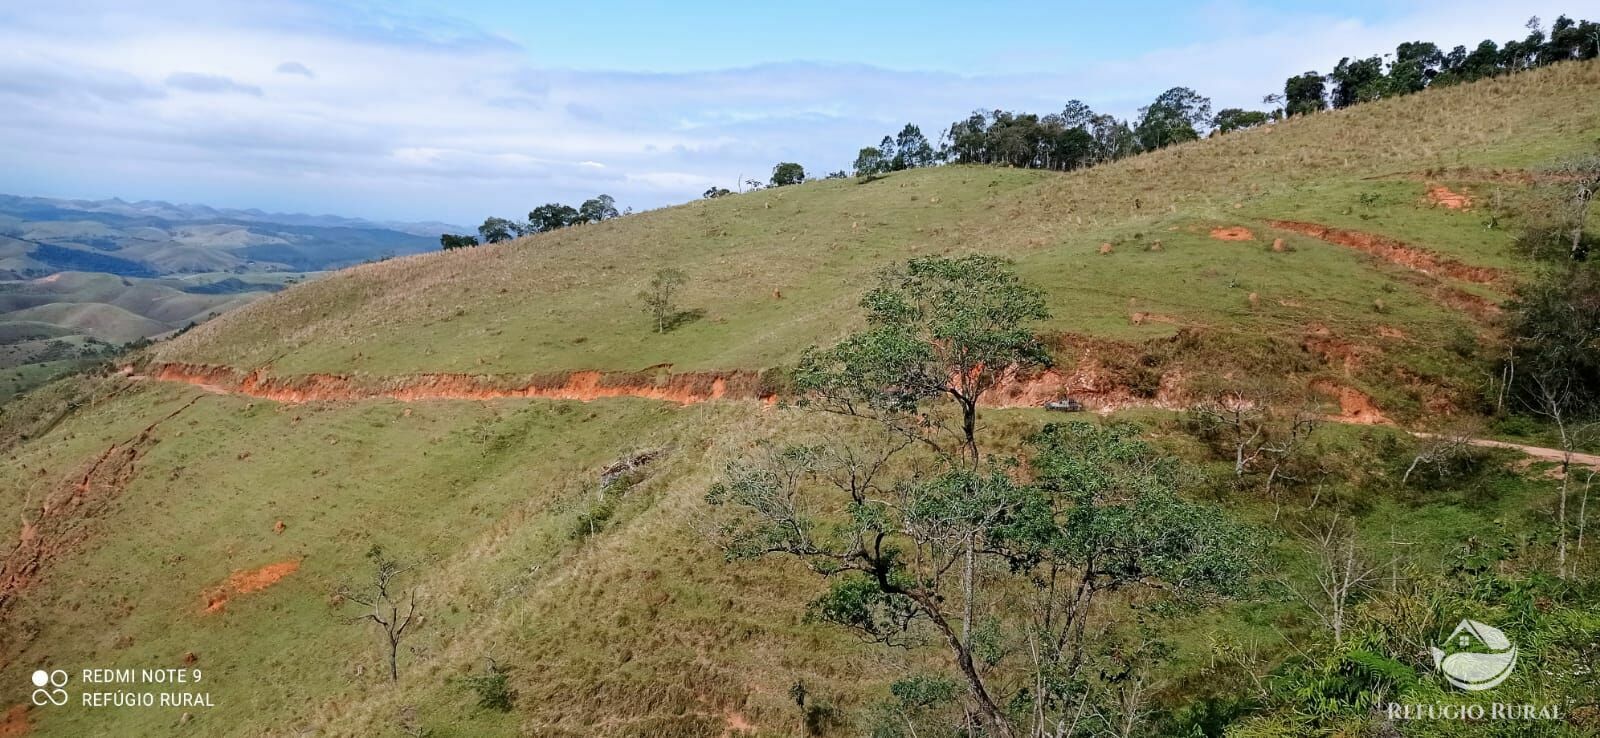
x,y
164,524
566,299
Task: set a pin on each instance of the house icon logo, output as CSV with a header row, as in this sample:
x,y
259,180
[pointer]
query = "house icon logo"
x,y
1479,656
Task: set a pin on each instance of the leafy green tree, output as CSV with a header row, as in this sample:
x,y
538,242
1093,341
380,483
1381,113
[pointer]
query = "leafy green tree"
x,y
1415,64
1554,332
938,327
788,173
713,193
1304,93
1175,116
945,551
870,162
596,209
451,241
1234,119
911,149
1113,139
1361,80
660,297
967,140
495,230
552,216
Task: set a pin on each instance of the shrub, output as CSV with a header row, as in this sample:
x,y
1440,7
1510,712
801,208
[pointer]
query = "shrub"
x,y
493,688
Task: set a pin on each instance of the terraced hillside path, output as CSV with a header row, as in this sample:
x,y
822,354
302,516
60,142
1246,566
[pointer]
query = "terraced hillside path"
x,y
686,388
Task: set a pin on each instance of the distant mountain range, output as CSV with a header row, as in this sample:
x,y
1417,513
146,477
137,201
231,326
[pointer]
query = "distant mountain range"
x,y
40,236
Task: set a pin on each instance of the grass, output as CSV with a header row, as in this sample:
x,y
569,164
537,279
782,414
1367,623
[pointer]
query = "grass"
x,y
777,270
641,628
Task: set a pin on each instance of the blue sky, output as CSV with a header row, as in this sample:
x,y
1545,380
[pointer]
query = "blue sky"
x,y
453,111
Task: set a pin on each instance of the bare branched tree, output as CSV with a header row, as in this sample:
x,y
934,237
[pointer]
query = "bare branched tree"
x,y
1236,420
1438,450
1554,399
1583,175
391,607
1343,572
1284,447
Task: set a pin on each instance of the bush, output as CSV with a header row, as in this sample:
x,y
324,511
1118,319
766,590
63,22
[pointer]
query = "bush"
x,y
493,688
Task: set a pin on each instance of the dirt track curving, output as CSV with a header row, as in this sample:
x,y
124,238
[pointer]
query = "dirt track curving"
x,y
1398,252
682,388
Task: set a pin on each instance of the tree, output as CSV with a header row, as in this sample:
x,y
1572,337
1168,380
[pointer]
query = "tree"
x,y
1439,451
1553,331
1175,116
1305,93
1414,66
1236,422
946,551
390,607
596,209
1583,177
659,297
495,230
1233,119
967,141
788,173
1113,139
1102,516
911,149
870,162
938,327
1356,81
1343,573
451,241
552,216
713,193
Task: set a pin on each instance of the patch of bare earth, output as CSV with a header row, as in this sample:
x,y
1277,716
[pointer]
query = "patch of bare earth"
x,y
246,581
1233,233
15,722
1441,196
1355,407
60,522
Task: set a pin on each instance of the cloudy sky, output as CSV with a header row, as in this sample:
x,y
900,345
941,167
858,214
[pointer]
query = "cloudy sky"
x,y
452,111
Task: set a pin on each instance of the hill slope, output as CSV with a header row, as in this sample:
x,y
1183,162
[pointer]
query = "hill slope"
x,y
194,525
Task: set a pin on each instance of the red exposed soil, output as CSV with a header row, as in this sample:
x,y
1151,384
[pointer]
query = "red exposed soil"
x,y
59,523
1233,233
1398,252
246,581
1333,350
1354,406
15,722
683,388
1088,382
1442,196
